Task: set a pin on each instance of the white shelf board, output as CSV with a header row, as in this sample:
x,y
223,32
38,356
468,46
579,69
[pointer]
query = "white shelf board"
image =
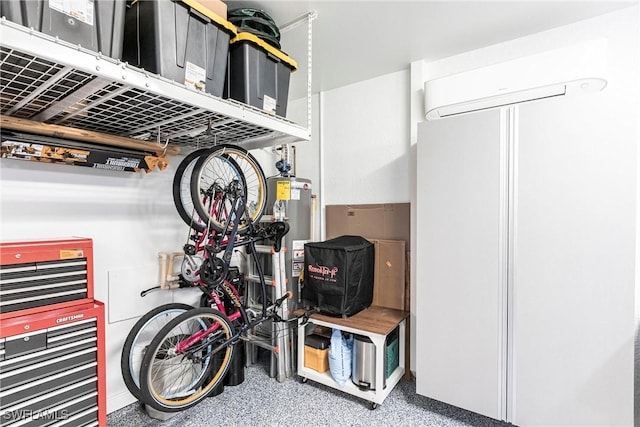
x,y
371,395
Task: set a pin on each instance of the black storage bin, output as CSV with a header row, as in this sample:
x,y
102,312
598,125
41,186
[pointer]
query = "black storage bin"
x,y
217,360
180,40
94,24
258,74
338,277
235,375
317,341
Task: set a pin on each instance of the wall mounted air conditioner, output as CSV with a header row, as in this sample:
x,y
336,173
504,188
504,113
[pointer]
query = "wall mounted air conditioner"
x,y
559,72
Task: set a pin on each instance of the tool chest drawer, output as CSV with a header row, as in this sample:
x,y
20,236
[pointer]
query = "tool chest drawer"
x,y
24,286
52,368
44,275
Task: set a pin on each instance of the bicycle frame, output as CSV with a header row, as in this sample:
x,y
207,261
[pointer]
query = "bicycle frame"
x,y
205,237
227,241
216,199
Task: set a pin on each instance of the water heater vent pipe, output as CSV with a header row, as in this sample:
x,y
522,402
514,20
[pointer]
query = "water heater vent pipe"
x,y
286,164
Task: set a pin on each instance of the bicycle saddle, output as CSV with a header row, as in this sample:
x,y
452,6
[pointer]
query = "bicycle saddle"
x,y
277,231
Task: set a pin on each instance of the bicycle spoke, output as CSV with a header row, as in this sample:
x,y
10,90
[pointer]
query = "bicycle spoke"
x,y
139,338
173,381
223,167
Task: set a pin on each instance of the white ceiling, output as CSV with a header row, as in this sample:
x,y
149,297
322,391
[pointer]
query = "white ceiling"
x,y
359,40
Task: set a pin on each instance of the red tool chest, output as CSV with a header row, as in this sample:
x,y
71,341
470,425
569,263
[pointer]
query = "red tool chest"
x,y
52,345
45,275
52,367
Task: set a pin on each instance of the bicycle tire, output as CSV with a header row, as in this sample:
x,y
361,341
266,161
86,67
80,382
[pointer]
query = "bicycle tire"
x,y
182,190
142,333
171,382
220,167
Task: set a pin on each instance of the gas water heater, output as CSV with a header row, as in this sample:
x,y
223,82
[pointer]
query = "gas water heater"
x,y
289,199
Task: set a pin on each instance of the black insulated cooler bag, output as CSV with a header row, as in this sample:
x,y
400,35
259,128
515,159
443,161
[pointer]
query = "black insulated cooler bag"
x,y
338,277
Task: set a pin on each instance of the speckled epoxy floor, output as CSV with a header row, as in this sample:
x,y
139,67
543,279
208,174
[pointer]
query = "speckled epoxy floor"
x,y
262,401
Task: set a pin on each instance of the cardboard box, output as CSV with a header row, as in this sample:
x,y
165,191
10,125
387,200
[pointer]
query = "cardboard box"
x,y
389,221
216,6
389,274
316,359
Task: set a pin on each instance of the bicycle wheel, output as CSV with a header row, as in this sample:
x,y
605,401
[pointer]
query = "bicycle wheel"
x,y
172,381
182,190
213,173
139,338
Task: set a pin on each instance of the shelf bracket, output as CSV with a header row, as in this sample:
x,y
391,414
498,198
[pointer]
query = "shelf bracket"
x,y
307,18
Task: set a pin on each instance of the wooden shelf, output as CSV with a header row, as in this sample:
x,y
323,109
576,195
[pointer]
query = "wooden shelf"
x,y
377,320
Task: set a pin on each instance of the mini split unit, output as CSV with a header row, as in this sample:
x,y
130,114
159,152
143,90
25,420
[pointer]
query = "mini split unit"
x,y
566,71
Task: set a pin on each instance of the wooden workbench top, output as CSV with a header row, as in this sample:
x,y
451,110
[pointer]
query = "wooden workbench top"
x,y
378,320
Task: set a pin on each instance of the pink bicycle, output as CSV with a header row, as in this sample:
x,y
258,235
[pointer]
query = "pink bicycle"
x,y
191,354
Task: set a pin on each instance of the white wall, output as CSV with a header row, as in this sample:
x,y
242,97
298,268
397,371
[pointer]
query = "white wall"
x,y
129,216
365,141
359,151
307,153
